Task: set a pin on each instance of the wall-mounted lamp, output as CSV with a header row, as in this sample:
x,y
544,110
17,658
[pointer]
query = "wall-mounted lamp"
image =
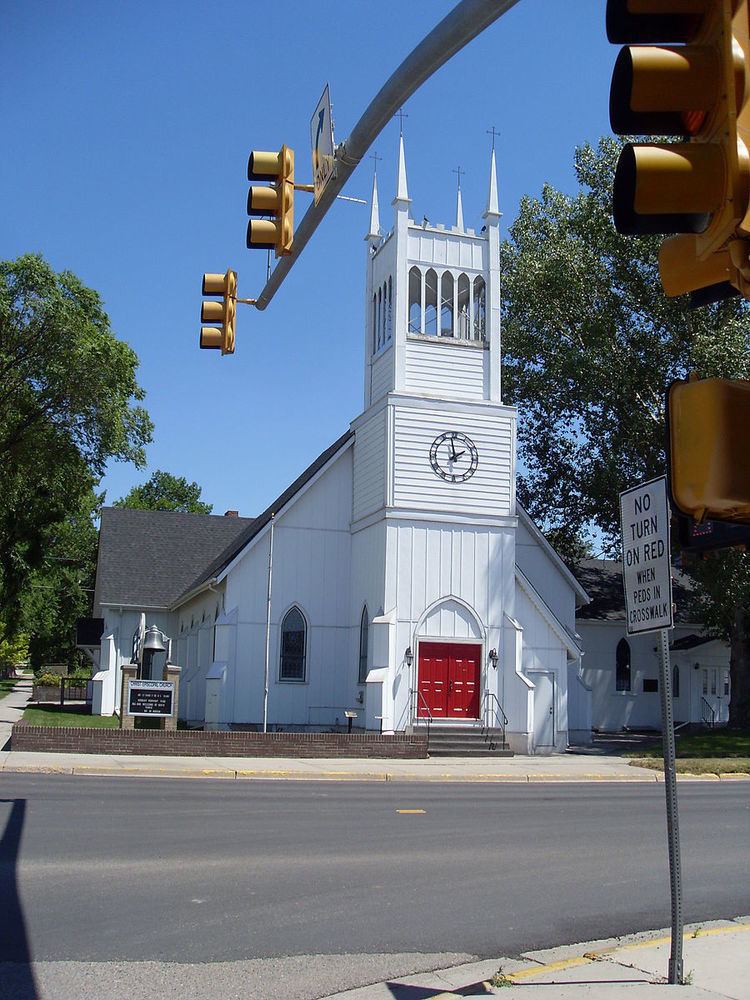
x,y
409,656
493,658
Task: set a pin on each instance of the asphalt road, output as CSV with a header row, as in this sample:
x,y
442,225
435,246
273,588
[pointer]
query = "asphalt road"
x,y
100,870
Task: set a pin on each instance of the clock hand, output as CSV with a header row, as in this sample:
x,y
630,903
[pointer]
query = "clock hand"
x,y
457,456
453,448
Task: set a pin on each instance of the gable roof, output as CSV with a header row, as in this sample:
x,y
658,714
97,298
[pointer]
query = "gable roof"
x,y
147,557
602,578
582,596
240,541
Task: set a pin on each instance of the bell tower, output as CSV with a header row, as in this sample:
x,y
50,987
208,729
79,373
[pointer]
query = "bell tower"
x,y
433,303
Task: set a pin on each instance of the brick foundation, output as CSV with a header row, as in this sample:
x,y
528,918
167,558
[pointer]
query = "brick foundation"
x,y
184,743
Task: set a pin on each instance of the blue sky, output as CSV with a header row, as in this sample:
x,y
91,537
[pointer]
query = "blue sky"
x,y
127,130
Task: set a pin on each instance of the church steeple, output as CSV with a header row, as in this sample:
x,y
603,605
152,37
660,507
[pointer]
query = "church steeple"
x,y
459,209
492,211
402,192
373,233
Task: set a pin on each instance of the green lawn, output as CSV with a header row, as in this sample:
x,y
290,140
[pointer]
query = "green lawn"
x,y
53,715
710,743
700,765
6,686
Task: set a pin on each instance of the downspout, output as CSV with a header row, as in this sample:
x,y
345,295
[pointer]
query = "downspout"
x,y
268,630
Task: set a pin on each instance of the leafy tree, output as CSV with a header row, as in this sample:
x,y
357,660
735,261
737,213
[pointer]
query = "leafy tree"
x,y
163,491
60,590
591,343
68,403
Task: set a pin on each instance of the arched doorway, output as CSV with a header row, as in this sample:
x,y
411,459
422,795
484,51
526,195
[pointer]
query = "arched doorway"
x,y
450,644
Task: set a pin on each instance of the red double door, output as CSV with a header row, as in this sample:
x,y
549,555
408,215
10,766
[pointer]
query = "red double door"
x,y
448,680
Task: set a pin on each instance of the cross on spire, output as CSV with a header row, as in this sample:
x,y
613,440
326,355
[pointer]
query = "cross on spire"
x,y
458,171
375,157
401,114
493,132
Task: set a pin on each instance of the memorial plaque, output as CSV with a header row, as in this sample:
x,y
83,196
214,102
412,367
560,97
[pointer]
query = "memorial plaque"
x,y
152,698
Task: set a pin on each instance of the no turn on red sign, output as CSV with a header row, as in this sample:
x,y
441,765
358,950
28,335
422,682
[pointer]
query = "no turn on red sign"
x,y
646,568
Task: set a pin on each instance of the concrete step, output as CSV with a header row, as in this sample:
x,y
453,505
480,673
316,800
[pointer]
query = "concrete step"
x,y
452,741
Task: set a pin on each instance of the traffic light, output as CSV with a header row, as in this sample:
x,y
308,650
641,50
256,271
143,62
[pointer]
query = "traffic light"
x,y
709,535
219,337
693,86
708,449
275,201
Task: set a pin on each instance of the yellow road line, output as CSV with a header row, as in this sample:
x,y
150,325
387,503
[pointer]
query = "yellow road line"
x,y
593,956
411,812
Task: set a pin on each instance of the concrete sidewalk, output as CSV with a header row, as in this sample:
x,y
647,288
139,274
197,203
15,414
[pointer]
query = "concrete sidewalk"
x,y
559,768
716,964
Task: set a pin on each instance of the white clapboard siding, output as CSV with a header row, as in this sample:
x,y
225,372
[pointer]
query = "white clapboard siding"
x,y
488,492
446,369
431,247
369,466
382,374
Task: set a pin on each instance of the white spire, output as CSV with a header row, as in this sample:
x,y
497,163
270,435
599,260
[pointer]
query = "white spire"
x,y
402,193
373,233
492,203
459,210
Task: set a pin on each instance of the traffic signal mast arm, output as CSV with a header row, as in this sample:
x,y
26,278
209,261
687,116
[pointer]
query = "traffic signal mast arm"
x,y
694,86
467,20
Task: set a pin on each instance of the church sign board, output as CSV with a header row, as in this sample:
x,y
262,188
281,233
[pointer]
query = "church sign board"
x,y
646,572
154,698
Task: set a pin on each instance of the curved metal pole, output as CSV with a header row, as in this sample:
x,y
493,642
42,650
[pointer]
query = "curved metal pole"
x,y
467,19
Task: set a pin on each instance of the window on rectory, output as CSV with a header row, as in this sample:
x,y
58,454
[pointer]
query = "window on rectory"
x,y
713,681
446,304
622,666
430,303
364,628
705,682
479,308
650,685
675,681
293,630
415,300
726,683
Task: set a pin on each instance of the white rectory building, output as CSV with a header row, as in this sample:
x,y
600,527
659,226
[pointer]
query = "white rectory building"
x,y
406,582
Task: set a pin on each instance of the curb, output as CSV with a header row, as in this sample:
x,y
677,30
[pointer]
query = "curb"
x,y
98,770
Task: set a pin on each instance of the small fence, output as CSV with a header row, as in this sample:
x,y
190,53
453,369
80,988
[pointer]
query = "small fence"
x,y
69,689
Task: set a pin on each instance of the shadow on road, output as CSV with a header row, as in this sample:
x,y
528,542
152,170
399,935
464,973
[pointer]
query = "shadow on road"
x,y
16,976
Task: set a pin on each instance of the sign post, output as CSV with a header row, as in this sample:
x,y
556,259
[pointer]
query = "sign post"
x,y
647,579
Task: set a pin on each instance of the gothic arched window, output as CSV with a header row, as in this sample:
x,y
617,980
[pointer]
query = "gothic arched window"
x,y
374,323
293,636
430,303
384,329
462,326
364,627
379,327
446,304
479,308
622,666
415,300
389,323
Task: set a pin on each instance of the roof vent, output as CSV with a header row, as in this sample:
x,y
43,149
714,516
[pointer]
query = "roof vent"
x,y
231,513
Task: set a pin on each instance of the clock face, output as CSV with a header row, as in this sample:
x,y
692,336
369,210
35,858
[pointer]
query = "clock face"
x,y
454,457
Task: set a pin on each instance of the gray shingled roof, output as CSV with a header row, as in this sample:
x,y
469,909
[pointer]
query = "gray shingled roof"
x,y
147,558
237,544
602,580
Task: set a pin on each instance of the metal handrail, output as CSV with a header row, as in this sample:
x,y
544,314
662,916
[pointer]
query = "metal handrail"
x,y
502,717
708,712
419,694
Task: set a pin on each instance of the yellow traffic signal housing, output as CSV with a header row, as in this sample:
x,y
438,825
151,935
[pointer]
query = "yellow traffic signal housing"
x,y
219,337
276,202
708,435
695,86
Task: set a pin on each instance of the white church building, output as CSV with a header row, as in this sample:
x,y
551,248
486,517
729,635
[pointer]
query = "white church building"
x,y
397,578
